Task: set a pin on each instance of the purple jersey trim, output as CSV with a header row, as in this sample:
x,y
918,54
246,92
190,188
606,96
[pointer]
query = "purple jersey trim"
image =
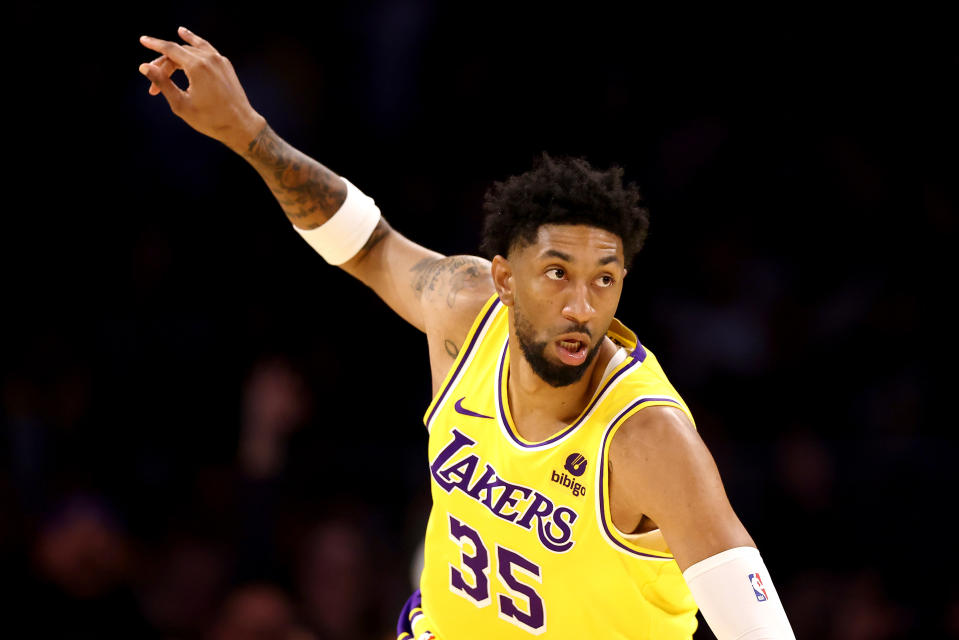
x,y
501,405
403,623
601,467
466,354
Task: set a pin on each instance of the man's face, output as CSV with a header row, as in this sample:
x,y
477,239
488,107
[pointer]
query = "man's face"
x,y
566,287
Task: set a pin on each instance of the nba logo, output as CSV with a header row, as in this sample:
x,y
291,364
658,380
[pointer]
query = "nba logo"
x,y
757,584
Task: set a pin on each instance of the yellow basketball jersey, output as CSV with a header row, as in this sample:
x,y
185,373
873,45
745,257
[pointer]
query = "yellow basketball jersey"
x,y
520,541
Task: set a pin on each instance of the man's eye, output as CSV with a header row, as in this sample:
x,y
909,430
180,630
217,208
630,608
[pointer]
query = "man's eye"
x,y
555,274
605,281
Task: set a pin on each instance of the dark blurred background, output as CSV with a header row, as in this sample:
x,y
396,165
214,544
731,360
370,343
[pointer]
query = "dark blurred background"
x,y
187,443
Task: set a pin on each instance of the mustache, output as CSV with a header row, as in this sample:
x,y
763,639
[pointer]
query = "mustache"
x,y
578,328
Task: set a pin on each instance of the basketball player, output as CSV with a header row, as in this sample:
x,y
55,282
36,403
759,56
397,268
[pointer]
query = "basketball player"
x,y
572,495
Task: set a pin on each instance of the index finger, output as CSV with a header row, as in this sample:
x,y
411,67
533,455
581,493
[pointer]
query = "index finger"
x,y
171,50
196,40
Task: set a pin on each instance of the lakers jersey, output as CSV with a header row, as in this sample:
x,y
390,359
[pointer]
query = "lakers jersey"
x,y
520,541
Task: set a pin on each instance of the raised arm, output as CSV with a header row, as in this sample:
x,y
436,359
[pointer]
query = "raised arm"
x,y
421,285
438,295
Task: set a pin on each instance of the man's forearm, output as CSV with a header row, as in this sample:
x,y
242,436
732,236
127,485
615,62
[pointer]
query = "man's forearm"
x,y
308,192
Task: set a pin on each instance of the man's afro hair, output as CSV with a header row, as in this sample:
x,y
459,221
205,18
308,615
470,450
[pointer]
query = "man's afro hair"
x,y
562,190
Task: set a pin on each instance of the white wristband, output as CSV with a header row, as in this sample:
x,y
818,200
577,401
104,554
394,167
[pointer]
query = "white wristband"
x,y
737,597
342,236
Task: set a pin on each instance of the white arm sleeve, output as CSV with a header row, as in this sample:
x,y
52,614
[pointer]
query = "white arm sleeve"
x,y
737,597
343,235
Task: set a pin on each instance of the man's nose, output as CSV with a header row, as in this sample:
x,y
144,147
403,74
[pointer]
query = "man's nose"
x,y
578,307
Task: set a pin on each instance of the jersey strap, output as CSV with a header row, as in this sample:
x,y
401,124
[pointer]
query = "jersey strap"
x,y
626,543
461,363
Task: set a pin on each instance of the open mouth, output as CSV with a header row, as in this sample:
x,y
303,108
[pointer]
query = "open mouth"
x,y
572,352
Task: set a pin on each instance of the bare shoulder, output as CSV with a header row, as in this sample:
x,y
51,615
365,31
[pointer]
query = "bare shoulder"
x,y
662,469
660,432
657,451
452,291
453,283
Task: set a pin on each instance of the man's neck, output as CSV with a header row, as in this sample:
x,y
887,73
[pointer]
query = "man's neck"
x,y
540,410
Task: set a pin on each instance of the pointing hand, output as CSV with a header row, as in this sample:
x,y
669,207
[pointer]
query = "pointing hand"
x,y
214,102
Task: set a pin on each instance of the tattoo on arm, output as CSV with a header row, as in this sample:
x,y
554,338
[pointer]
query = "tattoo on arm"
x,y
451,348
308,192
458,272
425,271
464,277
381,230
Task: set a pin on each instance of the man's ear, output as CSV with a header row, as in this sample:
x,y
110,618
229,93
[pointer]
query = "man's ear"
x,y
503,279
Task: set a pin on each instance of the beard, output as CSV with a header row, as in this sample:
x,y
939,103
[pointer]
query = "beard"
x,y
555,374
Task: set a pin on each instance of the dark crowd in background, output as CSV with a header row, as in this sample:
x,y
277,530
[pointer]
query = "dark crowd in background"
x,y
208,433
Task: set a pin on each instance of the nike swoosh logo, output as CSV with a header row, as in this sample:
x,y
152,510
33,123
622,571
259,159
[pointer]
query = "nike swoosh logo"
x,y
466,412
